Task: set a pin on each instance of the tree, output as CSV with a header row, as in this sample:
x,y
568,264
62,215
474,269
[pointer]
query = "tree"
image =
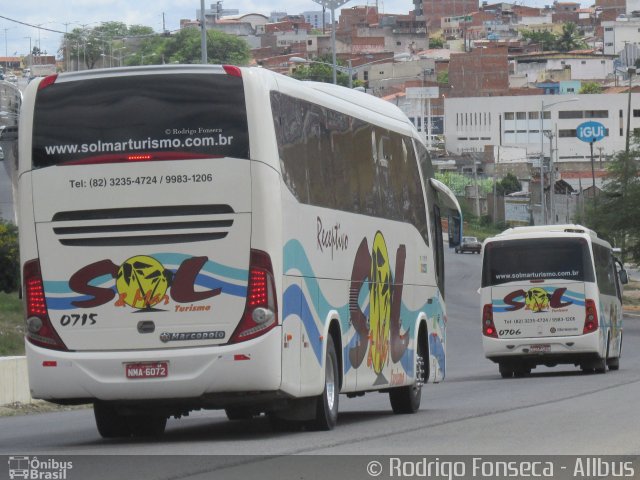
x,y
90,45
590,87
9,259
569,39
321,70
443,78
509,184
222,48
545,38
615,213
436,42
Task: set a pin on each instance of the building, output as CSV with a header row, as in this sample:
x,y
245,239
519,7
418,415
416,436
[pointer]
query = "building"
x,y
433,10
472,124
316,19
537,67
484,71
619,33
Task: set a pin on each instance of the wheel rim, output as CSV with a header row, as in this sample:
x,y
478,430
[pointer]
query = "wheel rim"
x,y
330,383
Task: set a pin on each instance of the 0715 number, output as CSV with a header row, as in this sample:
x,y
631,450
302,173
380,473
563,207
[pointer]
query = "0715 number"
x,y
75,319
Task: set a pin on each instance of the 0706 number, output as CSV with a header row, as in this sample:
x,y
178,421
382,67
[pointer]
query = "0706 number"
x,y
509,331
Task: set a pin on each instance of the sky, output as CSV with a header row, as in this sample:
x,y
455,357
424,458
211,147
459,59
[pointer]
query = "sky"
x,y
65,15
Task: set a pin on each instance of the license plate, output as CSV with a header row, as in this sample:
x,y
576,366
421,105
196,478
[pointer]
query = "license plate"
x,y
541,348
147,370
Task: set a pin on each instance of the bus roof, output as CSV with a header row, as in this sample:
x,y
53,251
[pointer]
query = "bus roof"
x,y
564,228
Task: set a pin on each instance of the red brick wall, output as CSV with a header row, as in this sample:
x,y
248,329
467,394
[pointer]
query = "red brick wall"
x,y
482,72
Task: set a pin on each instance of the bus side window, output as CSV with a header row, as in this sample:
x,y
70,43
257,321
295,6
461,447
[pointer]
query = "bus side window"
x,y
438,250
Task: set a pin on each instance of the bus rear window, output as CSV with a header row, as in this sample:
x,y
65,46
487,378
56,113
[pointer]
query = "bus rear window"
x,y
156,116
536,259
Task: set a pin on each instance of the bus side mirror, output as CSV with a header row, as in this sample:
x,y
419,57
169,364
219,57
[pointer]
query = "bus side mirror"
x,y
624,278
455,231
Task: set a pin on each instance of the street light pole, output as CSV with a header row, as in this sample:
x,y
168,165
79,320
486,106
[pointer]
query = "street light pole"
x,y
332,5
542,202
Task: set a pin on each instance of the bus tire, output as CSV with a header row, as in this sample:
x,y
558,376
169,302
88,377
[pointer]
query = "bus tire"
x,y
406,399
147,425
506,370
109,422
238,413
522,371
327,403
614,363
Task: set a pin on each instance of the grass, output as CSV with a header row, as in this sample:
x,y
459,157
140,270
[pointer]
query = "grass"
x,y
631,294
11,325
480,231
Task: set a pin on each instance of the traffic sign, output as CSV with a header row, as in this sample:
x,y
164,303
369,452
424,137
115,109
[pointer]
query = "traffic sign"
x,y
591,132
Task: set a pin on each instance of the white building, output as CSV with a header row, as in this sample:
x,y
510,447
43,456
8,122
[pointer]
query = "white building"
x,y
619,33
473,123
536,68
315,18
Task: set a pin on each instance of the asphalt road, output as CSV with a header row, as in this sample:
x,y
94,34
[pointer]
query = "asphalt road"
x,y
554,411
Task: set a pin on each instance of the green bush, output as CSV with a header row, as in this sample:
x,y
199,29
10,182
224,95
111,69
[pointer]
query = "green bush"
x,y
9,258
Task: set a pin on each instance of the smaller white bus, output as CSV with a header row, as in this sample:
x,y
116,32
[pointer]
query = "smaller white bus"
x,y
551,295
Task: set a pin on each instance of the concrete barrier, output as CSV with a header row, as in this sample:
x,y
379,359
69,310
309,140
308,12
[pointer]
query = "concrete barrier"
x,y
14,382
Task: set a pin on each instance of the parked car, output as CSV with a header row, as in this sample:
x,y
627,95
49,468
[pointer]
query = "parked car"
x,y
469,244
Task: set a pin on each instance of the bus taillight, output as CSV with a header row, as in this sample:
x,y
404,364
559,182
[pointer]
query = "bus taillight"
x,y
261,310
590,317
40,331
488,328
46,81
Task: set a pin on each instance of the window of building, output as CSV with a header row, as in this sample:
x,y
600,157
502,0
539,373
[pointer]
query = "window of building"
x,y
571,114
636,113
521,115
546,115
509,116
534,115
583,62
608,29
567,133
596,114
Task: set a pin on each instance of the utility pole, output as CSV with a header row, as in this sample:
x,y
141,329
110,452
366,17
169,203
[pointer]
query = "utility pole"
x,y
630,71
203,35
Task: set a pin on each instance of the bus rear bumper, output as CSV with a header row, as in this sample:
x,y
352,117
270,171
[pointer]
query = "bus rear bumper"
x,y
544,350
234,369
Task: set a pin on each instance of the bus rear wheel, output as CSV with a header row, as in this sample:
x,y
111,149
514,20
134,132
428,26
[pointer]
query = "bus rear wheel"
x,y
327,403
112,424
109,422
406,399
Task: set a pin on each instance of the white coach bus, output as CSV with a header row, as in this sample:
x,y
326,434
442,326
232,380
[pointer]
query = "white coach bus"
x,y
551,295
216,237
